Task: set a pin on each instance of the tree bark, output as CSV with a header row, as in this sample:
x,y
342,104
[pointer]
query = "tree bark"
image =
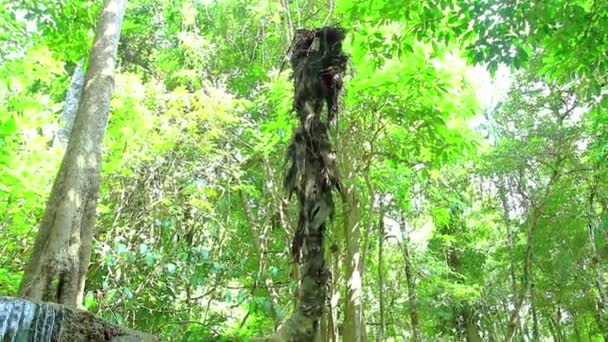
x,y
354,255
411,286
262,281
329,324
535,212
59,262
535,324
597,265
318,64
354,328
382,327
471,330
72,100
334,298
505,207
22,320
527,269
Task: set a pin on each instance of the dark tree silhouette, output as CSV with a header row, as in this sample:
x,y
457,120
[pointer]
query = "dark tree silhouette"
x,y
318,65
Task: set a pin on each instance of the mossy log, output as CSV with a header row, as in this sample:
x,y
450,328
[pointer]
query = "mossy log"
x,y
23,321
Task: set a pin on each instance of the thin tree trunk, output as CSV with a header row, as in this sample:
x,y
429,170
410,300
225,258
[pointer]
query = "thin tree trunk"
x,y
555,326
259,245
322,333
535,326
535,214
507,221
598,268
411,287
382,325
59,262
471,330
354,328
326,331
411,291
534,333
601,323
463,310
558,324
334,296
514,318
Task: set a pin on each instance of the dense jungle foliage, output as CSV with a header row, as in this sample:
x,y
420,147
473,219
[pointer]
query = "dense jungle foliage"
x,y
472,137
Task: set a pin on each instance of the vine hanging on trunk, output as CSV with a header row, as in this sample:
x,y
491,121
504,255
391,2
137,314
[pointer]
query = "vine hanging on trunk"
x,y
318,64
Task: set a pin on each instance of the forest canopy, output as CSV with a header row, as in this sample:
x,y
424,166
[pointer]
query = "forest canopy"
x,y
468,164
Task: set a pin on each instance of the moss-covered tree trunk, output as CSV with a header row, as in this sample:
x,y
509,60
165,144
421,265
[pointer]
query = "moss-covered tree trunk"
x,y
318,65
60,259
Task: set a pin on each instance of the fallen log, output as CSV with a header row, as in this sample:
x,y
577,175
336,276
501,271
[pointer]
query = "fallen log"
x,y
24,320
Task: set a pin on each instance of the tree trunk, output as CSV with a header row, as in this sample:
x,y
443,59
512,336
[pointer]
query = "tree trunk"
x,y
471,330
334,296
535,211
59,262
411,286
463,310
535,324
354,328
527,269
505,207
22,320
329,330
354,255
553,330
318,65
72,100
558,324
258,239
601,323
382,327
322,332
598,267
